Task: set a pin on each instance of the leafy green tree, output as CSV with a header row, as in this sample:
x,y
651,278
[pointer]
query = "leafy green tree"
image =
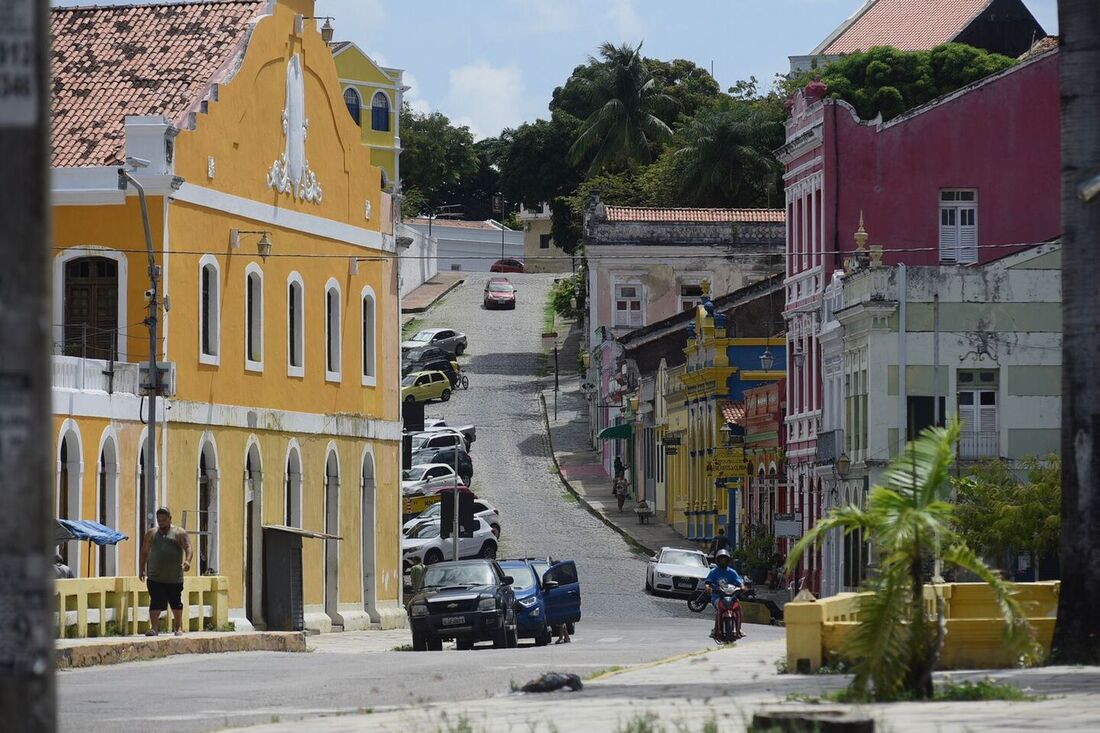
x,y
888,81
690,87
895,647
634,187
534,161
435,157
626,101
999,514
474,191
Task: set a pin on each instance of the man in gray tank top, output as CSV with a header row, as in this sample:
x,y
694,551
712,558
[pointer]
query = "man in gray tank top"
x,y
165,556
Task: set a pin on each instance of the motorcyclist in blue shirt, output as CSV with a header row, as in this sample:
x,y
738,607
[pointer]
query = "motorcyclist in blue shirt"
x,y
723,571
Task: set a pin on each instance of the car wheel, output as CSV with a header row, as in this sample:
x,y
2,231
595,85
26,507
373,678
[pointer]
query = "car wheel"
x,y
432,557
500,638
459,348
409,400
464,645
494,527
543,637
420,642
435,644
446,395
648,586
488,551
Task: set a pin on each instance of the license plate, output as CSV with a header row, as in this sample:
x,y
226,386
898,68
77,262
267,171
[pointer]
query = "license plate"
x,y
684,583
453,620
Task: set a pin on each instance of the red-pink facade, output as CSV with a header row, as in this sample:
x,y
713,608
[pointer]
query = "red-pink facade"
x,y
998,138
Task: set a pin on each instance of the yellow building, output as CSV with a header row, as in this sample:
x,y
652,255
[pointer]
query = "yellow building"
x,y
707,468
275,247
373,96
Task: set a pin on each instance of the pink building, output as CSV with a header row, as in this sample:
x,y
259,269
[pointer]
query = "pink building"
x,y
968,178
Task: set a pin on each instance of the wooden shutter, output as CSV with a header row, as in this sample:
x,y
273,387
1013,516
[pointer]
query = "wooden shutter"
x,y
968,235
967,415
949,235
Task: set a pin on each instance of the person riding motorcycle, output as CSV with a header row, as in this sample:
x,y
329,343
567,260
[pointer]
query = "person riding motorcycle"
x,y
723,571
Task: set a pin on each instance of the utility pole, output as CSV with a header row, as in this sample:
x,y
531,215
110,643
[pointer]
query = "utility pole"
x,y
1076,636
27,701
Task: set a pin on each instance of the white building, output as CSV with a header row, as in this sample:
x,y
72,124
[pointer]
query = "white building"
x,y
470,246
417,254
981,344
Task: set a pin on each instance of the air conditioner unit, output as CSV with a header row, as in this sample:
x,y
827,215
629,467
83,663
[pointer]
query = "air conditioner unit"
x,y
167,378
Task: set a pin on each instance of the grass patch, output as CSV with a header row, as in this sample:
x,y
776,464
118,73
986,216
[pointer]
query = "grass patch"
x,y
650,723
403,648
569,498
947,691
548,317
228,626
411,327
606,670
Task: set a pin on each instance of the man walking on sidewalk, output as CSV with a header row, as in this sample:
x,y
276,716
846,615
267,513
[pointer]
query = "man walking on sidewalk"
x,y
165,556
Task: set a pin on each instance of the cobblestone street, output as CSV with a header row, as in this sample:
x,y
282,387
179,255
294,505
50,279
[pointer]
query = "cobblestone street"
x,y
512,467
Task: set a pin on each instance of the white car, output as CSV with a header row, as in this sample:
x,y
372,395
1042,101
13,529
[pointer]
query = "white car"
x,y
482,509
436,439
426,478
673,570
441,338
424,543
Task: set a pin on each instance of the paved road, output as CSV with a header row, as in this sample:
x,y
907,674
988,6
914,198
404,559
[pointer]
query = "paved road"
x,y
348,672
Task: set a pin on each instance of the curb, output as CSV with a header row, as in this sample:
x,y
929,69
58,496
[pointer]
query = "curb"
x,y
436,299
135,650
629,538
650,665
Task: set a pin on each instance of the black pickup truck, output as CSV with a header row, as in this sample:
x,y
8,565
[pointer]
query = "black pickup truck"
x,y
468,601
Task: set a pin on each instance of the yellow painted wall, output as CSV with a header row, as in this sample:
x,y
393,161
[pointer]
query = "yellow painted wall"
x,y
351,63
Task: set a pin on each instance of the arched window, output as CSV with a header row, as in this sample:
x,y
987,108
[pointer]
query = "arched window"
x,y
70,466
332,526
332,331
207,535
254,318
209,310
295,326
368,337
292,506
91,307
380,112
253,532
144,522
107,502
351,99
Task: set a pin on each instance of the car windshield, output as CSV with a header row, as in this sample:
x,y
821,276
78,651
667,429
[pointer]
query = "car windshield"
x,y
500,288
413,474
419,441
426,531
678,557
540,567
409,380
424,336
432,511
437,576
522,577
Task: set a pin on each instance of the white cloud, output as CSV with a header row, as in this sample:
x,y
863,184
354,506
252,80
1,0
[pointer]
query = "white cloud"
x,y
412,96
623,17
485,97
539,16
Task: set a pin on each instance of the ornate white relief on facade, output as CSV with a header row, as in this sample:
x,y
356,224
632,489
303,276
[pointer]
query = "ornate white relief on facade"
x,y
367,210
291,173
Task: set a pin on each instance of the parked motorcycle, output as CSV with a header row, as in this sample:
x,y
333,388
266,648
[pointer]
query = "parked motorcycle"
x,y
701,598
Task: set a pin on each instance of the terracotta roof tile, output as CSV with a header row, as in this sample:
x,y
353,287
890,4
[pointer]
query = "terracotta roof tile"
x,y
909,25
113,61
459,223
642,213
734,413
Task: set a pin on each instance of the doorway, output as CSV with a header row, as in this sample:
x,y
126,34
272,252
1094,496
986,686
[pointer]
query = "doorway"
x,y
107,505
332,527
208,510
67,502
253,537
91,308
370,592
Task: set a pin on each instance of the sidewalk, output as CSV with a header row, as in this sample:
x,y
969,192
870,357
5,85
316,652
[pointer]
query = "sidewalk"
x,y
730,686
579,466
425,296
89,652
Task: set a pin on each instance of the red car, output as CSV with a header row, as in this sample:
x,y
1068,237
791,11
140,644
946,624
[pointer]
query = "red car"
x,y
499,293
507,265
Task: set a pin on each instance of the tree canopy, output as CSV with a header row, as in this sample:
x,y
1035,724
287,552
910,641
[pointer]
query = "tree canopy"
x,y
435,157
890,81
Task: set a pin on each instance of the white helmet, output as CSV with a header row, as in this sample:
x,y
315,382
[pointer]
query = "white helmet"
x,y
722,553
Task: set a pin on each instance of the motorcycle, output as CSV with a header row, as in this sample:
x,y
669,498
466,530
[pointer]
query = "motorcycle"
x,y
701,598
729,613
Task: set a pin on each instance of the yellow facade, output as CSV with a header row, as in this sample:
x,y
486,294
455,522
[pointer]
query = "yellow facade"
x,y
374,84
266,431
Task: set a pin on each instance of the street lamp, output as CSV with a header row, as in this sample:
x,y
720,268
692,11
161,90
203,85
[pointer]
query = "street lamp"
x,y
263,246
767,361
843,463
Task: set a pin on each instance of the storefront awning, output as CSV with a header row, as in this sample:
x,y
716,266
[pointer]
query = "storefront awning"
x,y
617,432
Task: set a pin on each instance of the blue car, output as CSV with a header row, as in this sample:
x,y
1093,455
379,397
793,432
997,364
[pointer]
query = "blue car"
x,y
531,620
559,590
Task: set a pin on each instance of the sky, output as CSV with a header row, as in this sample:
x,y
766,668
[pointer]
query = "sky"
x,y
491,64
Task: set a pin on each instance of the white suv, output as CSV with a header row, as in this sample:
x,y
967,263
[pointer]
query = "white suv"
x,y
482,509
424,543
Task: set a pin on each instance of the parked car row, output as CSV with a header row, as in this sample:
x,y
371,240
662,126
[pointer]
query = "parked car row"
x,y
429,365
472,601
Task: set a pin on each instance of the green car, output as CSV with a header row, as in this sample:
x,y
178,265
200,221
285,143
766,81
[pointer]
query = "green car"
x,y
424,386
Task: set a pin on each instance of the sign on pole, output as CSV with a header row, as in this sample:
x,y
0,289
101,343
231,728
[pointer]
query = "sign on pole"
x,y
788,524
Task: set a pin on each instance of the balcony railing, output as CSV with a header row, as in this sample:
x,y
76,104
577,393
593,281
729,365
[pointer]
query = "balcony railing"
x,y
94,375
829,446
975,445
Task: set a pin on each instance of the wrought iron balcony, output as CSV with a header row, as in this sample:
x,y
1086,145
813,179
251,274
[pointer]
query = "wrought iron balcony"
x,y
976,445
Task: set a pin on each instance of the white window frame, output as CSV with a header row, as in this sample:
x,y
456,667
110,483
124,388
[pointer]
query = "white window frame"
x,y
293,280
58,299
254,338
691,279
333,350
369,367
952,248
615,298
212,318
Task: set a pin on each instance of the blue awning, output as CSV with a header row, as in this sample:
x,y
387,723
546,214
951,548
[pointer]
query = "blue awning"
x,y
85,529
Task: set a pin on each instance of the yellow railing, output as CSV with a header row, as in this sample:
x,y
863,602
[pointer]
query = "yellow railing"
x,y
120,606
975,631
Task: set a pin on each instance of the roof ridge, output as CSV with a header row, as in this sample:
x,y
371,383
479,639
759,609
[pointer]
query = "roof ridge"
x,y
155,4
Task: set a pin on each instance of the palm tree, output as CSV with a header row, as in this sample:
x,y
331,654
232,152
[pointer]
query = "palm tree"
x,y
1076,639
626,100
725,158
895,648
